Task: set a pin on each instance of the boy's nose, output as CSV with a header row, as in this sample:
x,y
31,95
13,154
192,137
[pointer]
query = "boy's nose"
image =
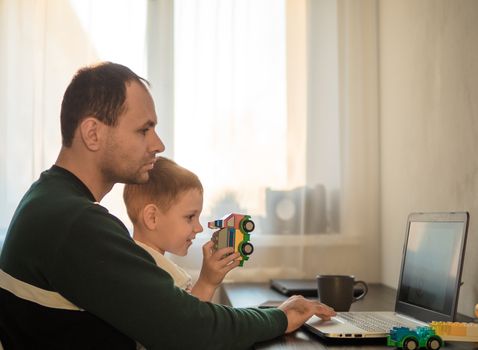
x,y
199,228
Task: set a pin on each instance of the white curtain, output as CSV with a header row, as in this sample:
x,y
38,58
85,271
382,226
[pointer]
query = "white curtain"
x,y
259,97
42,44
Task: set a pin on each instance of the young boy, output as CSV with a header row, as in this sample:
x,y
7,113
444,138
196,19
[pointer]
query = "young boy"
x,y
165,214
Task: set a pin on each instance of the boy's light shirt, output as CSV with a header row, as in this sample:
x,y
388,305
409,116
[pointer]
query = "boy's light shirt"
x,y
181,278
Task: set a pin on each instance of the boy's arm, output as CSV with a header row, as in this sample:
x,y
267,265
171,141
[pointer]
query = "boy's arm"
x,y
215,266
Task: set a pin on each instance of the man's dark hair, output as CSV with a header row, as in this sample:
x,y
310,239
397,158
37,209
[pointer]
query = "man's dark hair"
x,y
98,91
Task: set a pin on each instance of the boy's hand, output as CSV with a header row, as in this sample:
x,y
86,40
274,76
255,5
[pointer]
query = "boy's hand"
x,y
215,266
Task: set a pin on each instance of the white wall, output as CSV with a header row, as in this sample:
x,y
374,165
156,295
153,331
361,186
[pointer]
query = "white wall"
x,y
428,52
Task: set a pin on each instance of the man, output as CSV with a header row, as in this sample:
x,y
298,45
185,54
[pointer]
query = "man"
x,y
71,277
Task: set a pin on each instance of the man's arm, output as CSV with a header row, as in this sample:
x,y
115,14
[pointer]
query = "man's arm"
x,y
99,268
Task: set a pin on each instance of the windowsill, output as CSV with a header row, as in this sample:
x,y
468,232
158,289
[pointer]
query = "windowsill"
x,y
317,239
279,240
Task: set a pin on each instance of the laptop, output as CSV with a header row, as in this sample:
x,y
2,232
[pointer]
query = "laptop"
x,y
304,287
429,282
289,287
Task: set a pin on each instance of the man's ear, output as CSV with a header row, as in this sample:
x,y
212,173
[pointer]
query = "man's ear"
x,y
90,133
150,215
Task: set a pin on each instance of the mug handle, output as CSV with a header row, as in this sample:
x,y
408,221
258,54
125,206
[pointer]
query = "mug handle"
x,y
365,290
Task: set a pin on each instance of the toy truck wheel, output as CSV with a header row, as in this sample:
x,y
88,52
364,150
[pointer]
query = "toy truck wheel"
x,y
433,343
248,225
247,249
410,344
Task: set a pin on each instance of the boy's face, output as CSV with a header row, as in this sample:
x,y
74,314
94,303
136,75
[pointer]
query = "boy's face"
x,y
178,226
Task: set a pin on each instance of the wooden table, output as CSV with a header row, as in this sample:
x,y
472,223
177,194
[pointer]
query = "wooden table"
x,y
379,298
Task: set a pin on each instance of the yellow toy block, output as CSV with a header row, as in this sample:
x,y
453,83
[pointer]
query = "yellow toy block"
x,y
456,331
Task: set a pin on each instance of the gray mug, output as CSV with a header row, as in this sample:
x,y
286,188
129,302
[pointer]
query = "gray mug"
x,y
337,291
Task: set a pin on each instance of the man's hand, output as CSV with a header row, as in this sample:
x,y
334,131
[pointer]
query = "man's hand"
x,y
298,310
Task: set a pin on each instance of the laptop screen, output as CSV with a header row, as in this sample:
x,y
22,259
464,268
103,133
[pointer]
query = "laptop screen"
x,y
431,267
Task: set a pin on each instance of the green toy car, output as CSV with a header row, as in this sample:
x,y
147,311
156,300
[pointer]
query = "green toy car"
x,y
234,232
408,339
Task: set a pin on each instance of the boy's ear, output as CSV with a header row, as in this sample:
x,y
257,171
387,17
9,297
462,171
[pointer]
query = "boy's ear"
x,y
90,132
150,216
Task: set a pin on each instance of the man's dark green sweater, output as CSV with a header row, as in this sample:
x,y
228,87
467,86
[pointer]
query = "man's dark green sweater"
x,y
71,277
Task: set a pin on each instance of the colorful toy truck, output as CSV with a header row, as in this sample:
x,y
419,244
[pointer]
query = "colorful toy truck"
x,y
234,231
411,339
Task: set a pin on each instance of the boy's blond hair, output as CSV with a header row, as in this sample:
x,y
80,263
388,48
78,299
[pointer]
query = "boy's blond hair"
x,y
167,181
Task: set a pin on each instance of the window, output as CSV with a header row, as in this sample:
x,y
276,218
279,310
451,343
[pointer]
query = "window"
x,y
267,101
230,100
232,121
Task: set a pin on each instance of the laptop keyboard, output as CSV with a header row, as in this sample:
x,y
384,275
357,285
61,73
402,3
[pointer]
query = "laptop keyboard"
x,y
372,322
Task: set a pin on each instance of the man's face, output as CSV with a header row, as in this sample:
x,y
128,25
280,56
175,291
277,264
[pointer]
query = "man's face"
x,y
131,146
179,225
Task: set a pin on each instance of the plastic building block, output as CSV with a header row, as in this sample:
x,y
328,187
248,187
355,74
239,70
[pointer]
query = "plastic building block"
x,y
411,339
234,232
456,331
